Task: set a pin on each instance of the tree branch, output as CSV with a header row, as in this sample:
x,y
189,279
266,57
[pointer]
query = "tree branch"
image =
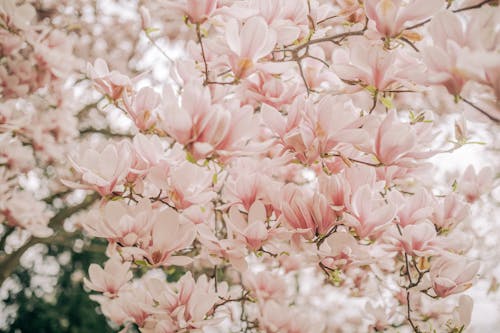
x,y
496,120
9,263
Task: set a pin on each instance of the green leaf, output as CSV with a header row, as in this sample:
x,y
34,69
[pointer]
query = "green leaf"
x,y
141,263
387,101
190,158
371,89
151,30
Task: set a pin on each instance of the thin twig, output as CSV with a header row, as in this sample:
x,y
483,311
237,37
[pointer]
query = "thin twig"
x,y
200,41
496,120
404,39
417,25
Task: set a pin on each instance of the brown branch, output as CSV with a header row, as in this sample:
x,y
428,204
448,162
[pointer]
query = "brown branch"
x,y
353,159
9,263
8,231
200,40
479,5
496,120
330,38
407,41
105,131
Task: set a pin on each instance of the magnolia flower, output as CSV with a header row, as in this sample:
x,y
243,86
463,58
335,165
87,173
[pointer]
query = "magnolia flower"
x,y
395,141
418,239
442,58
265,285
370,65
473,185
141,107
452,274
196,11
112,84
169,234
190,184
368,212
340,250
412,209
306,213
391,16
104,169
249,44
449,211
110,279
123,224
336,189
254,232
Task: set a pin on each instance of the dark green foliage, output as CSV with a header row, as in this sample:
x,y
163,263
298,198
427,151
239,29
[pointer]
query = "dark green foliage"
x,y
69,309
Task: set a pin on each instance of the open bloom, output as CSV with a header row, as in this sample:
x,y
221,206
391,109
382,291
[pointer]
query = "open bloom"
x,y
190,184
395,142
341,250
249,44
169,234
418,239
442,59
112,84
110,279
368,212
391,16
472,185
141,107
452,274
265,285
254,232
370,65
412,209
123,224
307,213
102,169
196,11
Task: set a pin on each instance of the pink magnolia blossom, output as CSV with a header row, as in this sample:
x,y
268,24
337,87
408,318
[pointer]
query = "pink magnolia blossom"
x,y
265,88
391,16
110,279
249,44
368,64
449,211
113,165
368,213
336,189
112,83
394,141
227,249
255,232
169,234
473,185
412,209
142,107
442,58
186,304
265,285
419,239
306,213
190,184
123,224
341,250
451,274
196,11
